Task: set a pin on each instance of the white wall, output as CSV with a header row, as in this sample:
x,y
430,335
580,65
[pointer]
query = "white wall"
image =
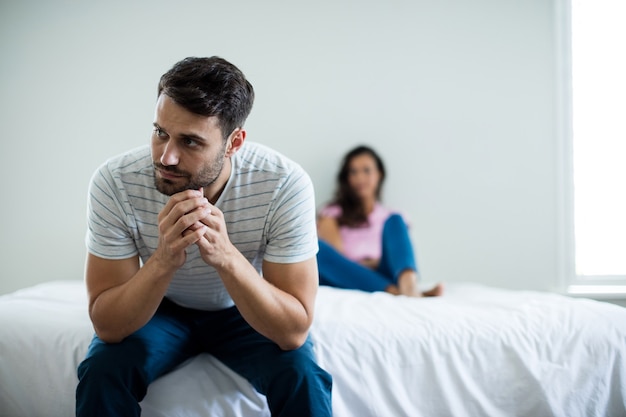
x,y
458,96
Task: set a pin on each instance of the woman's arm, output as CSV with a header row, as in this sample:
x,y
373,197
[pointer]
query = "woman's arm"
x,y
328,231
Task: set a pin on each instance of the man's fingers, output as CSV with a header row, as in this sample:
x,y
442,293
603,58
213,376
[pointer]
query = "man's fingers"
x,y
180,197
191,236
183,213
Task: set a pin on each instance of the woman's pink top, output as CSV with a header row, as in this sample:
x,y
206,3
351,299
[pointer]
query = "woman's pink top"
x,y
361,242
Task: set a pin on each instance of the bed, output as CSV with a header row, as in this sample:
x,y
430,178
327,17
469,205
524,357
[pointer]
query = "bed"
x,y
477,351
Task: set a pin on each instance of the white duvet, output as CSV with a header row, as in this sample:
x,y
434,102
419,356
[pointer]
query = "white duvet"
x,y
477,351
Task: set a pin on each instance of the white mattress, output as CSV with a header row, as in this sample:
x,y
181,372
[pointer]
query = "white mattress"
x,y
477,351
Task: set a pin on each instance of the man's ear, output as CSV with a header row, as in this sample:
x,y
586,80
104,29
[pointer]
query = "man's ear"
x,y
235,142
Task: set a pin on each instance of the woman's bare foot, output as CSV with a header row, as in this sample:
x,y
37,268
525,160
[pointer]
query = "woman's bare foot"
x,y
435,291
392,289
407,285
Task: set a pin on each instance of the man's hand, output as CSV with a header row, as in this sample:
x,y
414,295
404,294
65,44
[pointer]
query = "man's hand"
x,y
180,226
214,243
123,296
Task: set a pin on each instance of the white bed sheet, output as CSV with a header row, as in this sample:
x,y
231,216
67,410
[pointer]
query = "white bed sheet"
x,y
477,351
44,335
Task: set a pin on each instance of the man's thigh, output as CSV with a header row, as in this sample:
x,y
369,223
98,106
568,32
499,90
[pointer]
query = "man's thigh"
x,y
250,354
158,347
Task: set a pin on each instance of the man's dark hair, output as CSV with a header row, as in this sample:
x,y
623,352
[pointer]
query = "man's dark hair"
x,y
352,210
210,87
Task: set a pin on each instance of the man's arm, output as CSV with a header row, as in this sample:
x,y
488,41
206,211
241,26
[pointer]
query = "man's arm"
x,y
122,296
280,304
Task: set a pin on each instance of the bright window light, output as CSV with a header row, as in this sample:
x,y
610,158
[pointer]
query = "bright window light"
x,y
599,136
618,290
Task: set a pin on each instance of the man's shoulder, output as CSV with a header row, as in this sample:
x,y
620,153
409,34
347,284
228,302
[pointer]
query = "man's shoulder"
x,y
131,169
133,160
260,157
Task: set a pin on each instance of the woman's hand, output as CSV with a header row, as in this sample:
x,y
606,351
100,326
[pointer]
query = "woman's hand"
x,y
370,263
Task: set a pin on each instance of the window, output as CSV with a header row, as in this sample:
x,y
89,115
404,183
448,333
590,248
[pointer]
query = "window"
x,y
598,145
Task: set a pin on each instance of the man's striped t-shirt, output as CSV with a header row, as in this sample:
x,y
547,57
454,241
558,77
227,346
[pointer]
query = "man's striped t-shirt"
x,y
268,204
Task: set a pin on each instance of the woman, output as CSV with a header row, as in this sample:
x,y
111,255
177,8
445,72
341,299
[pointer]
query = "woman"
x,y
364,245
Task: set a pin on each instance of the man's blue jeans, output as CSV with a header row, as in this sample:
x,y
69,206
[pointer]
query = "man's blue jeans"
x,y
114,378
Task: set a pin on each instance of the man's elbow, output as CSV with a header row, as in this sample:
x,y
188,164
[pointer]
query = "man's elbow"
x,y
293,342
109,336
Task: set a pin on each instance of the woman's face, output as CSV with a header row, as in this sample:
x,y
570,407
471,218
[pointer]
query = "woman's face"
x,y
363,176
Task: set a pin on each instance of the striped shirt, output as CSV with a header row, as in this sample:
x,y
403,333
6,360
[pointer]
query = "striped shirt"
x,y
268,205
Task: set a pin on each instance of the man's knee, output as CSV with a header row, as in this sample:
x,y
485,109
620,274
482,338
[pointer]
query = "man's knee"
x,y
299,368
116,363
109,382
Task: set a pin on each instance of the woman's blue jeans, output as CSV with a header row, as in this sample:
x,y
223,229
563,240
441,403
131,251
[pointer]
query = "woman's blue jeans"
x,y
397,256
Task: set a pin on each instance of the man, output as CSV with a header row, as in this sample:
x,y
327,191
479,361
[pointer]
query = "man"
x,y
201,243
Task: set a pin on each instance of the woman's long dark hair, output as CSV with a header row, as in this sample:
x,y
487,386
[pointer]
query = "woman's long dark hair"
x,y
352,210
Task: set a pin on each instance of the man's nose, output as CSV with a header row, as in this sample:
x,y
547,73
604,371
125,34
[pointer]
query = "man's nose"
x,y
170,154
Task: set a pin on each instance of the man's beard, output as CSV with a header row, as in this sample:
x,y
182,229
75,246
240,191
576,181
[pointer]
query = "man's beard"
x,y
207,176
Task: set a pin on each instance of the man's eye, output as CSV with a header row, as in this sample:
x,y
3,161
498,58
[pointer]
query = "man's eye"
x,y
159,132
190,142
